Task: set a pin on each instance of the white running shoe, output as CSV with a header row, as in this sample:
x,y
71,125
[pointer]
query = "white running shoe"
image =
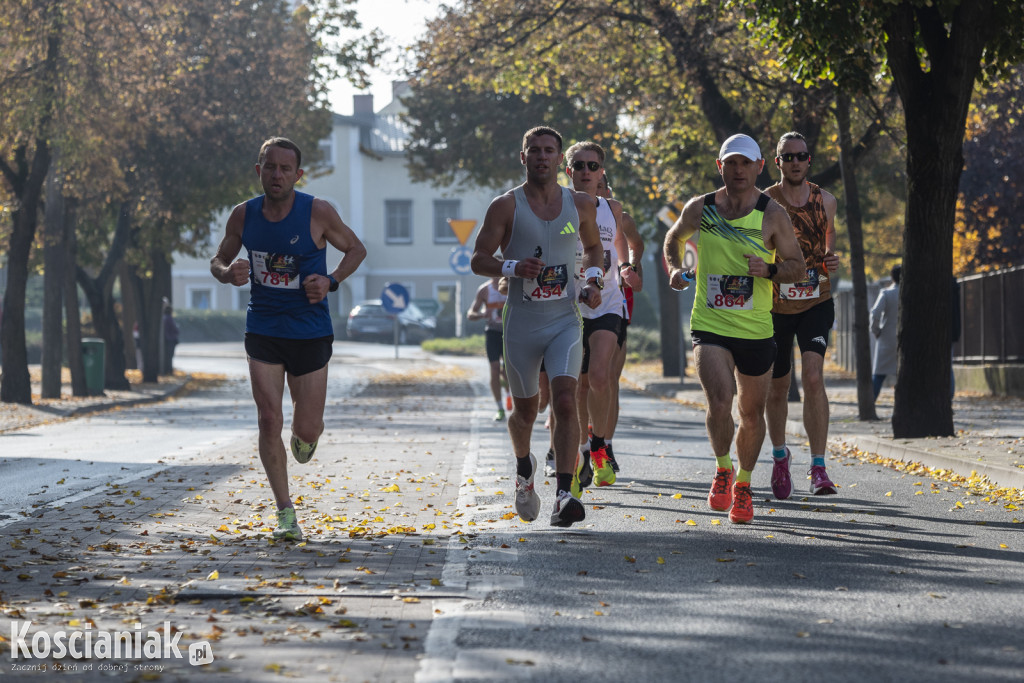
x,y
568,510
527,499
550,468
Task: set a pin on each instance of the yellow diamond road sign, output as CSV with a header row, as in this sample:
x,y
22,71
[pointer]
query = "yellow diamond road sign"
x,y
462,229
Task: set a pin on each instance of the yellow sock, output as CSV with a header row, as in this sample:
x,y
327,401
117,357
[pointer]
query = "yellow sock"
x,y
724,461
744,476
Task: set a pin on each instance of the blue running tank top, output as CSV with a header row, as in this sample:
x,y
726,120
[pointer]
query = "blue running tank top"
x,y
281,255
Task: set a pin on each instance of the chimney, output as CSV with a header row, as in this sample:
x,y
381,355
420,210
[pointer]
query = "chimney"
x,y
399,89
362,105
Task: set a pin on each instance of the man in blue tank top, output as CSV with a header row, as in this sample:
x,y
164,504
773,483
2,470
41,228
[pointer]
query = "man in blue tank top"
x,y
288,330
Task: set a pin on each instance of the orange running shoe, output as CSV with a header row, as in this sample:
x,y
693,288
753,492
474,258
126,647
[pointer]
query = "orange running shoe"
x,y
742,504
720,496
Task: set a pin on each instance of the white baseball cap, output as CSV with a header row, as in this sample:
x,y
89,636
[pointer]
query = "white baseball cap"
x,y
740,144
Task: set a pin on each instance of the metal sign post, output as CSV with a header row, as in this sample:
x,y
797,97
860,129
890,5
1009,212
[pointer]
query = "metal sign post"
x,y
395,298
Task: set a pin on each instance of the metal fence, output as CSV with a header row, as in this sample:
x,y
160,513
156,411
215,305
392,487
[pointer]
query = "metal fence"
x,y
992,311
991,315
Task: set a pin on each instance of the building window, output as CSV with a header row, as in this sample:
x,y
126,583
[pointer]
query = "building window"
x,y
241,302
398,221
200,299
443,210
327,151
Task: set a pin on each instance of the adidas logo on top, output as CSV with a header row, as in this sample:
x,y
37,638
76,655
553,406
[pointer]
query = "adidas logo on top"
x,y
568,229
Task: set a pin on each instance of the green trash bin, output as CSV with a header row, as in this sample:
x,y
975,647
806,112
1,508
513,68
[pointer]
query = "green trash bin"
x,y
94,361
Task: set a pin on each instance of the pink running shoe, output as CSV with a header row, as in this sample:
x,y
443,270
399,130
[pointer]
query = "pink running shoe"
x,y
821,485
782,483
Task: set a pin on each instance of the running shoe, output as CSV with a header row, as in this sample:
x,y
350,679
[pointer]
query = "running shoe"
x,y
302,451
782,483
527,499
287,526
499,416
742,511
604,475
568,510
720,496
550,468
821,485
574,488
611,457
583,469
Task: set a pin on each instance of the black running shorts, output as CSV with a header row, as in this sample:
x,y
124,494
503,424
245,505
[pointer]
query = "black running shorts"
x,y
611,322
811,327
752,357
298,356
495,349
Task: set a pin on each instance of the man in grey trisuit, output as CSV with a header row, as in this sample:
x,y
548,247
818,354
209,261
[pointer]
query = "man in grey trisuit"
x,y
602,326
536,227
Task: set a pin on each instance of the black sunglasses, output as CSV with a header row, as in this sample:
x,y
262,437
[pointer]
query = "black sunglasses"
x,y
799,156
592,165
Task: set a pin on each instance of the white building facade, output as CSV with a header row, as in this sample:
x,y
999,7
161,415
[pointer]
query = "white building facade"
x,y
403,224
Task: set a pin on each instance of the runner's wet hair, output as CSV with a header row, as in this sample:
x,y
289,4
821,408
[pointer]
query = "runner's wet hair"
x,y
786,137
280,142
585,146
542,130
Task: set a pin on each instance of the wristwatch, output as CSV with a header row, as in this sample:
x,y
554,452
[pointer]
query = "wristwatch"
x,y
334,283
772,270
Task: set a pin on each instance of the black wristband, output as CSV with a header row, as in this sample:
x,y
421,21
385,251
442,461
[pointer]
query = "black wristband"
x,y
772,270
334,284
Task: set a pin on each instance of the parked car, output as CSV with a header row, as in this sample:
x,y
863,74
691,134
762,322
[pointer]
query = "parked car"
x,y
369,321
430,307
444,320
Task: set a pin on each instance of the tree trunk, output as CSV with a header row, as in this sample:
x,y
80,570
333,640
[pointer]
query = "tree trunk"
x,y
861,343
130,309
16,384
72,312
935,103
53,285
27,185
670,321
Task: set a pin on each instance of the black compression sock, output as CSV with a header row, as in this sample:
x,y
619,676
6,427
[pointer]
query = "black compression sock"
x,y
564,482
524,468
596,442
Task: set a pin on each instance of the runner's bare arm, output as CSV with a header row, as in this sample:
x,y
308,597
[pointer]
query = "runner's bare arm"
x,y
494,235
478,309
789,258
634,247
326,227
675,241
593,251
224,266
831,260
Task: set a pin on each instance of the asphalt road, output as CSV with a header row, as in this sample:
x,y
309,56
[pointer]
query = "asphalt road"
x,y
898,577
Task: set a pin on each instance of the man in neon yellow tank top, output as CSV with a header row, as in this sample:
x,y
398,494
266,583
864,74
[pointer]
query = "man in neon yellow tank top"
x,y
740,232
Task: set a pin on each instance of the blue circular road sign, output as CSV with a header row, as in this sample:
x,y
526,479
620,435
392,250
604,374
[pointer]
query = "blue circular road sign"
x,y
394,298
459,259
